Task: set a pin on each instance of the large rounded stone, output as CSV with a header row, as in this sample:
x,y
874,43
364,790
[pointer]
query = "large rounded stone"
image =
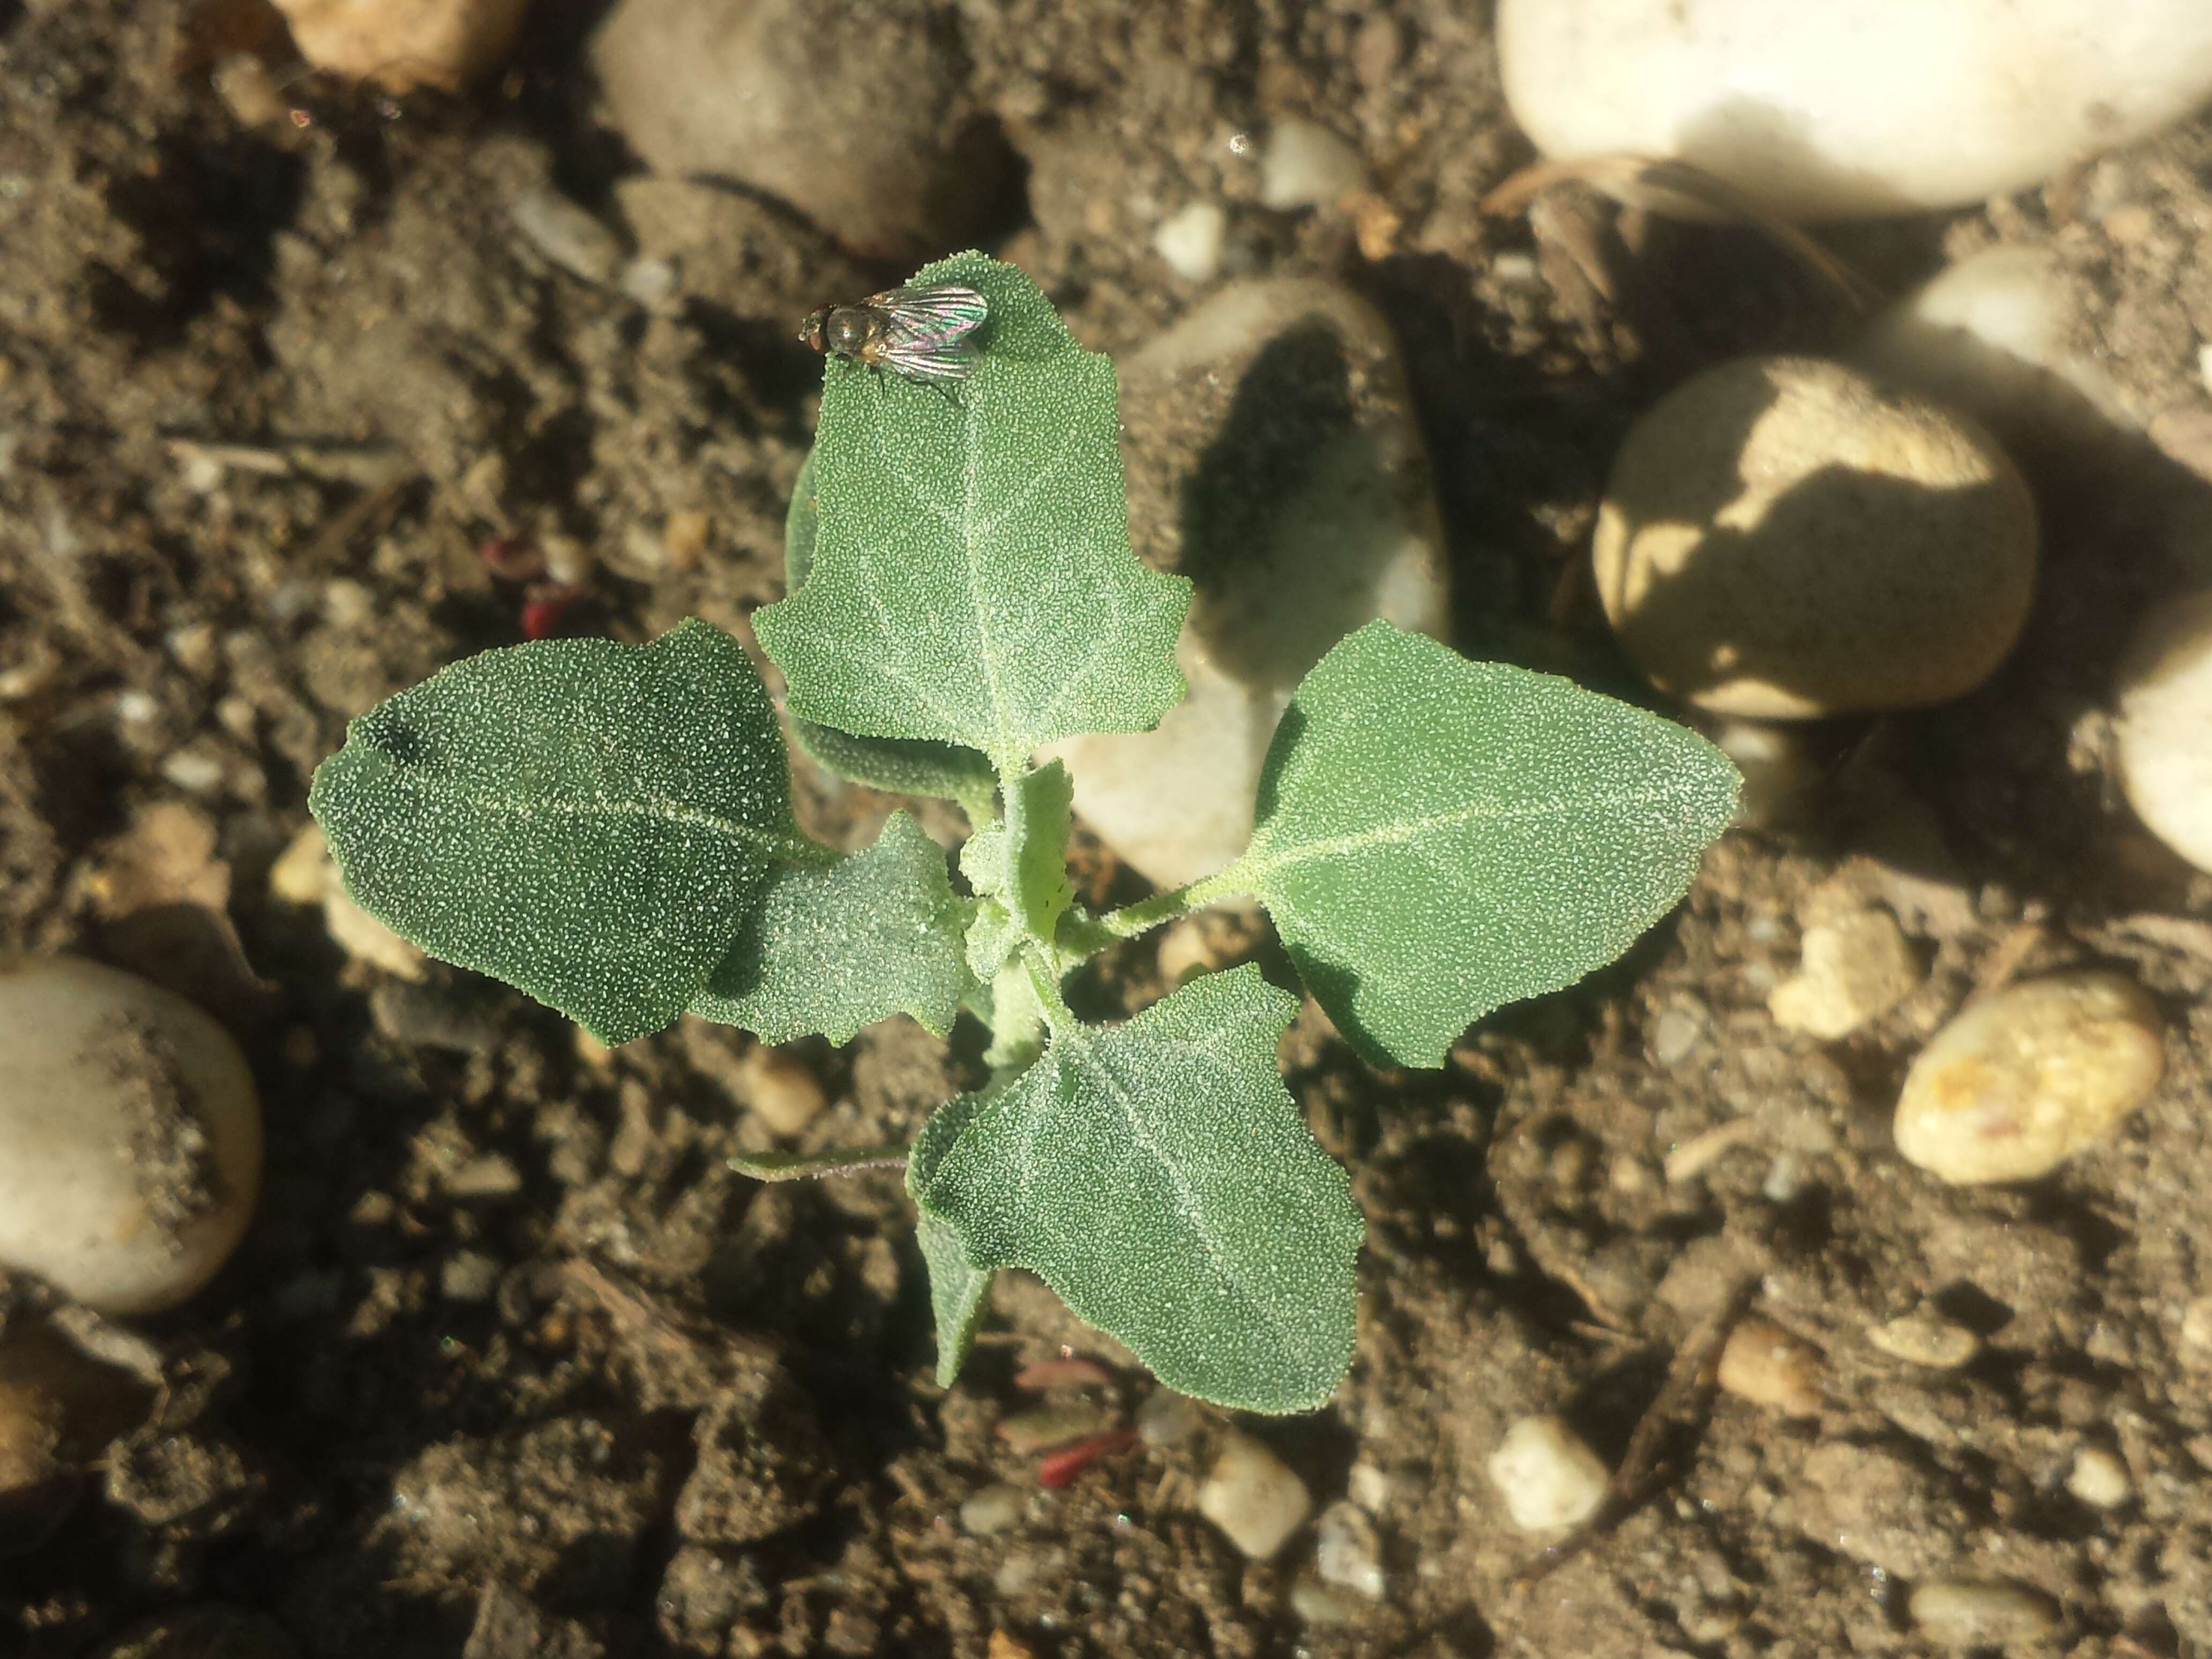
x,y
1273,458
1850,108
2166,727
1783,537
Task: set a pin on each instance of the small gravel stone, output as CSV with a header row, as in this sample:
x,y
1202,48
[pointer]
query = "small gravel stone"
x,y
1783,537
1549,1478
1771,1367
493,1176
1856,968
468,1276
1305,165
1966,1613
992,1510
1253,1496
782,1089
420,1017
2099,1478
1674,1033
568,235
2028,1077
2165,726
1924,1337
1043,1427
1167,1418
1877,1508
1346,1552
1191,241
1325,1605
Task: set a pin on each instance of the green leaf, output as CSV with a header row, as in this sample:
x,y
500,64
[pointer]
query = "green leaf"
x,y
970,579
957,1286
832,949
587,821
898,766
1437,836
1158,1175
1039,810
812,1166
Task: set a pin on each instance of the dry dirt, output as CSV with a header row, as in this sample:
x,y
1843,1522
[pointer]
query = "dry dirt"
x,y
506,1316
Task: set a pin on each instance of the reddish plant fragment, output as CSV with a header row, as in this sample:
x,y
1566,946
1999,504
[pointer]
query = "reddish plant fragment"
x,y
544,606
512,558
1063,1466
1065,1372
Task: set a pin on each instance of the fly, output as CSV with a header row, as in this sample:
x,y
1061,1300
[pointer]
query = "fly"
x,y
922,334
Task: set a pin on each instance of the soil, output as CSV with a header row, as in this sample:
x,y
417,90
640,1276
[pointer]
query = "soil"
x,y
509,1332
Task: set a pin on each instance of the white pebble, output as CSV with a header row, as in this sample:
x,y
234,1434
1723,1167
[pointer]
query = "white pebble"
x,y
1854,108
130,1136
1167,1418
1966,1613
1856,969
1346,1552
2098,1478
568,235
2165,725
1771,1367
1782,538
992,1510
1191,241
1305,165
1924,1337
2026,1078
1325,1605
1253,1496
1548,1477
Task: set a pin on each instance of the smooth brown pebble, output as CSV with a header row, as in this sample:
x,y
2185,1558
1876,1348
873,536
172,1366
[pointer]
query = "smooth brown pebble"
x,y
1783,537
400,45
1924,1337
2164,726
2026,1078
1771,1367
782,1089
1253,1496
1964,1613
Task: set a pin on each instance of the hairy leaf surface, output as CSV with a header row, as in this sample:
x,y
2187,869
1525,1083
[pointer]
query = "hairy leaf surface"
x,y
900,766
1158,1175
970,580
830,950
1437,837
590,822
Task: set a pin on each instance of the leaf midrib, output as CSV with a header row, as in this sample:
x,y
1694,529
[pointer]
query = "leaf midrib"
x,y
790,849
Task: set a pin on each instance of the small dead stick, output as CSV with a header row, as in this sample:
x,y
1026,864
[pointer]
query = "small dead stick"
x,y
1689,1382
1616,175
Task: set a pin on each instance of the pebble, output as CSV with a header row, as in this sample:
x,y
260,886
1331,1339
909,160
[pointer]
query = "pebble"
x,y
1964,1613
1856,968
1319,1603
1192,239
2027,1077
1346,1552
2164,727
1994,335
130,1136
1305,165
468,1276
1876,1507
1272,457
852,111
1167,1418
1253,1496
1043,1427
305,873
1924,1337
1865,110
1781,538
401,44
2099,1478
992,1510
1549,1478
569,236
1771,1367
782,1089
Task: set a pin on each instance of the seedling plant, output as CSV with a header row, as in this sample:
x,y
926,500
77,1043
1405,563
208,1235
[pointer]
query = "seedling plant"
x,y
608,827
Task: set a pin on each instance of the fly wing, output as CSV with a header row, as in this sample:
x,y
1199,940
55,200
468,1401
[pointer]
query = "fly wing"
x,y
931,317
933,362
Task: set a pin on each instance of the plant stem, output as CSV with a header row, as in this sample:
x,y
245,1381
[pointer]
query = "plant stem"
x,y
1132,920
1045,984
